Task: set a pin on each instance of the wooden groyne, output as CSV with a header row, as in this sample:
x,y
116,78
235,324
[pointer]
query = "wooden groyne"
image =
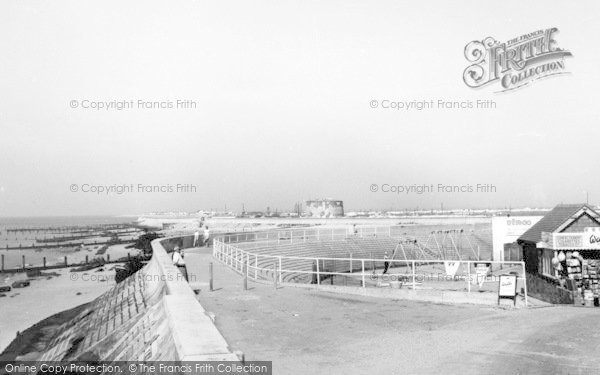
x,y
33,246
71,228
64,264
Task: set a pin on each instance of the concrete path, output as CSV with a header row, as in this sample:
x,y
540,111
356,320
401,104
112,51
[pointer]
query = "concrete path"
x,y
310,331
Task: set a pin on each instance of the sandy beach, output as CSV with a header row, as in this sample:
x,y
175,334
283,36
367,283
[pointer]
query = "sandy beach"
x,y
53,292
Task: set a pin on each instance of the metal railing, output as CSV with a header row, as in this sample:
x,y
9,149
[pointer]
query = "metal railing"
x,y
243,253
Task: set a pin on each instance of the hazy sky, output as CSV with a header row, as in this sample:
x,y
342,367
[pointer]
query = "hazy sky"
x,y
283,91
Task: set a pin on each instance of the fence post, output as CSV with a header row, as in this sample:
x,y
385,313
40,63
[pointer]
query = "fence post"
x,y
468,277
318,274
23,261
43,259
362,261
351,263
210,276
524,282
65,261
247,264
3,262
275,274
414,276
241,260
87,259
280,273
245,270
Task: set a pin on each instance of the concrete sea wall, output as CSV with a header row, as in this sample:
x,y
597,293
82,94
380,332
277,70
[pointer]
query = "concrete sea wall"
x,y
152,315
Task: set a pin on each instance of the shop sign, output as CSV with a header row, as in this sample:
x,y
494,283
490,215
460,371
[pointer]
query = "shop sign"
x,y
571,241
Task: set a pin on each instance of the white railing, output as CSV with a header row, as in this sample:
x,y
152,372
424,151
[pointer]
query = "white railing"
x,y
241,252
295,235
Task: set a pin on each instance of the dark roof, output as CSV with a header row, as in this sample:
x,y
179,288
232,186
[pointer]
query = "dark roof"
x,y
552,221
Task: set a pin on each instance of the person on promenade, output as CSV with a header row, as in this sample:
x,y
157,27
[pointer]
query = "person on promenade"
x,y
206,236
179,262
386,263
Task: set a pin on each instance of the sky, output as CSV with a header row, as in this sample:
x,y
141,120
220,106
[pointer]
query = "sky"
x,y
282,94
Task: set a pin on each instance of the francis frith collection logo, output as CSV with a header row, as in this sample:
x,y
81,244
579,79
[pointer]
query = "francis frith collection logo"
x,y
515,63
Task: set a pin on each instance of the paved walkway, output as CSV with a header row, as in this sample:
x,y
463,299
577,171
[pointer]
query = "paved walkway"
x,y
310,331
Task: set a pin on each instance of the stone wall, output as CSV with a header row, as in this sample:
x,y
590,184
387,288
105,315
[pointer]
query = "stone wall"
x,y
547,291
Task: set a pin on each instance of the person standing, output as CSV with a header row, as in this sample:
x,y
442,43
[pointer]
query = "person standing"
x,y
196,238
206,236
179,262
386,262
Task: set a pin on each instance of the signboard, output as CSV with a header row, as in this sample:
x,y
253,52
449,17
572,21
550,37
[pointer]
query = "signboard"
x,y
508,287
451,267
561,241
589,239
481,272
507,229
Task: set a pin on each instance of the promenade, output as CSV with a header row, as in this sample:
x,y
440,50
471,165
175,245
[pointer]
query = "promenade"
x,y
305,330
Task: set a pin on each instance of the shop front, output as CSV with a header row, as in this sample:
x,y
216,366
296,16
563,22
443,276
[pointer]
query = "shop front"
x,y
562,254
574,260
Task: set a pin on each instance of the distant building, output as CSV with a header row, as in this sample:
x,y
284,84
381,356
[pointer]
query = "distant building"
x,y
324,208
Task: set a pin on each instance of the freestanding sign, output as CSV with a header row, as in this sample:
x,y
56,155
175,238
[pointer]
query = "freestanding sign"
x,y
508,288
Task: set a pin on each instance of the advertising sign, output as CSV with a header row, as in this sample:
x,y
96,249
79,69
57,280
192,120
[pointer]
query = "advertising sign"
x,y
508,230
507,287
451,267
589,239
481,272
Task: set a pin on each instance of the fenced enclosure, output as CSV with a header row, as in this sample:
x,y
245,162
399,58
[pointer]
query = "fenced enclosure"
x,y
366,257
